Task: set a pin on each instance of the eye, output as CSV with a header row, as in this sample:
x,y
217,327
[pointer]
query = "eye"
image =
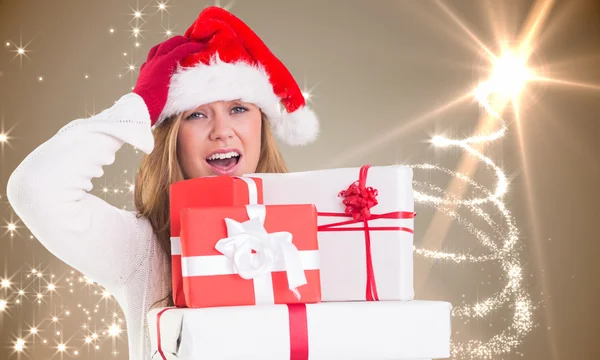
x,y
195,115
239,109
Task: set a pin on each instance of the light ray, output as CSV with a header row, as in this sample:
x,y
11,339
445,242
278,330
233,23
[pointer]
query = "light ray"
x,y
535,21
466,30
574,84
393,134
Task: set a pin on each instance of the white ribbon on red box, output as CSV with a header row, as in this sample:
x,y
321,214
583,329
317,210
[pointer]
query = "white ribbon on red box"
x,y
273,252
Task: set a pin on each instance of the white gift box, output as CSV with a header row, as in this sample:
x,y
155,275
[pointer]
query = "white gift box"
x,y
342,331
344,253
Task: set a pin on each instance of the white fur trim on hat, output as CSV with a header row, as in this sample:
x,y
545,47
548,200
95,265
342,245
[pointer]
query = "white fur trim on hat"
x,y
201,84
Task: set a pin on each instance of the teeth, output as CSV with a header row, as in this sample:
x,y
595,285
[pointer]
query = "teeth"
x,y
223,155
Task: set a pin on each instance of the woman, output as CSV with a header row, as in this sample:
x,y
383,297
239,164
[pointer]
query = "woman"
x,y
204,104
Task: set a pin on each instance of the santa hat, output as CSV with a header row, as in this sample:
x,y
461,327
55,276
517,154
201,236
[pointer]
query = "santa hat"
x,y
236,64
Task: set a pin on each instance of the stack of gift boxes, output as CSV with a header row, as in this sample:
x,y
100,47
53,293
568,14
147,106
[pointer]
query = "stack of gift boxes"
x,y
302,266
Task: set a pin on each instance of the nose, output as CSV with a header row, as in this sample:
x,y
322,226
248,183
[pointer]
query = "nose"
x,y
222,129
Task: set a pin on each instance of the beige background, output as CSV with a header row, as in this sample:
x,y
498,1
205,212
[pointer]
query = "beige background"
x,y
376,67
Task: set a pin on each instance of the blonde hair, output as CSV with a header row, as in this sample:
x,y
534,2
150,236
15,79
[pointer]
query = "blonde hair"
x,y
159,169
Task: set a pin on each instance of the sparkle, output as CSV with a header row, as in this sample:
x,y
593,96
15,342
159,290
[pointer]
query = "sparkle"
x,y
61,347
308,93
33,331
5,283
20,50
3,305
40,78
162,6
11,227
168,32
114,330
135,31
19,345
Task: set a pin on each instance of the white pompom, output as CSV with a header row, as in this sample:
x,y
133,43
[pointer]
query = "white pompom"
x,y
298,128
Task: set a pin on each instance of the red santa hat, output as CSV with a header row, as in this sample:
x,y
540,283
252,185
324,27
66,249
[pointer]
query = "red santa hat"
x,y
236,64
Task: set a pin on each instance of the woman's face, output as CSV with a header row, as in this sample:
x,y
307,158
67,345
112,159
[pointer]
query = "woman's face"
x,y
220,138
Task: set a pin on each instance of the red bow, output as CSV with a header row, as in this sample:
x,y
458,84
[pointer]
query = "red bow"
x,y
358,198
359,201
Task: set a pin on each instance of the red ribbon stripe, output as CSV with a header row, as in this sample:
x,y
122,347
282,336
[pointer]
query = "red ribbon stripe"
x,y
298,331
158,340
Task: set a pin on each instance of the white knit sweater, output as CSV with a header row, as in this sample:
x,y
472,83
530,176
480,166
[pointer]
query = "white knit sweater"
x,y
49,192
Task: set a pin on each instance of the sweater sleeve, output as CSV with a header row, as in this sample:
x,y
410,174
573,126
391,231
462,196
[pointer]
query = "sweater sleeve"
x,y
49,193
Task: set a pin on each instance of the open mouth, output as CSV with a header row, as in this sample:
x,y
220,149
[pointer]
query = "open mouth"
x,y
224,163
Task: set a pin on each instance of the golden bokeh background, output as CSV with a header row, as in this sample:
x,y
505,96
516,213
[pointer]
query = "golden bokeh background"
x,y
384,76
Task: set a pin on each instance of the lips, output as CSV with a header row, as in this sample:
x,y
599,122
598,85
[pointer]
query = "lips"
x,y
224,161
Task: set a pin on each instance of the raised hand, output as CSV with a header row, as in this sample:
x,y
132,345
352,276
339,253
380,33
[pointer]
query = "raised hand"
x,y
155,74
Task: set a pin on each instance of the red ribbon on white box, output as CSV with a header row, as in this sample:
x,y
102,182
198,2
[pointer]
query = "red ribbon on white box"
x,y
252,197
298,332
359,199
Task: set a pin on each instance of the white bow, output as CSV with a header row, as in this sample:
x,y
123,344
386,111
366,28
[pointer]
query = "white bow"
x,y
272,251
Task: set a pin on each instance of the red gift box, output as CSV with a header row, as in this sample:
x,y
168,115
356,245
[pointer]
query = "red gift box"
x,y
205,191
250,255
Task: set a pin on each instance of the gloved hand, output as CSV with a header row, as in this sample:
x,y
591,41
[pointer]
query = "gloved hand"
x,y
155,74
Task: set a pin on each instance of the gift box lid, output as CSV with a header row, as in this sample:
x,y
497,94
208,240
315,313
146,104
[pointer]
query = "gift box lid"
x,y
212,191
394,184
